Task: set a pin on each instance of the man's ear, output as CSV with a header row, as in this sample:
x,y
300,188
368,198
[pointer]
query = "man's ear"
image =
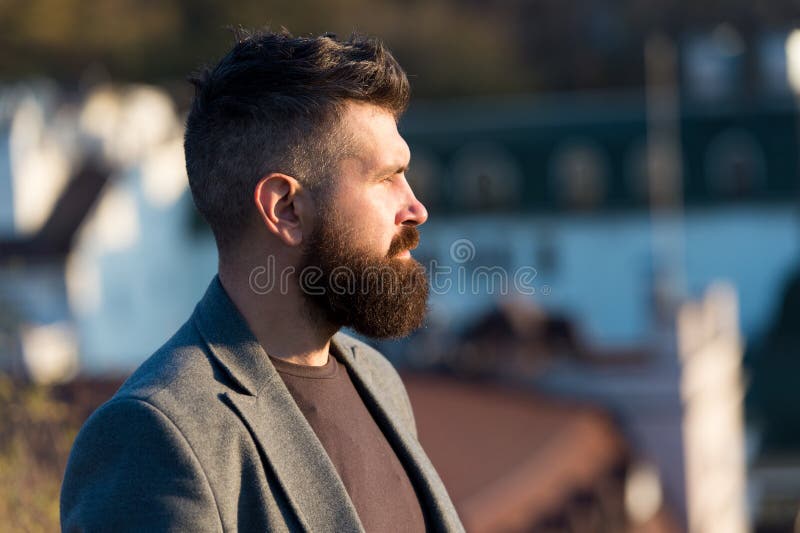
x,y
282,205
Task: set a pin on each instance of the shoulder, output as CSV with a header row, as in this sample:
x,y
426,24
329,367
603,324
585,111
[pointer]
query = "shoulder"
x,y
132,440
123,421
179,367
151,404
178,385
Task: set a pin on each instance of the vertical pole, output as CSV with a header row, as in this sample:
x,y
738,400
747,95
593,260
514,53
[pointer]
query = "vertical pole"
x,y
665,176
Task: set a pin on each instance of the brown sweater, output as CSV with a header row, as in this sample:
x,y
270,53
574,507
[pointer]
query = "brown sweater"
x,y
370,470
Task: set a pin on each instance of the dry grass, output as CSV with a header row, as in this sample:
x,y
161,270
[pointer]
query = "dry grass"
x,y
39,424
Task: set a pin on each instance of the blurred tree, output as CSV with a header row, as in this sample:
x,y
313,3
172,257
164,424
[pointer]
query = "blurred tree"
x,y
450,47
163,41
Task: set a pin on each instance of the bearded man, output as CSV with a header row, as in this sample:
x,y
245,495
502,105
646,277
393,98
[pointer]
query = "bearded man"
x,y
258,415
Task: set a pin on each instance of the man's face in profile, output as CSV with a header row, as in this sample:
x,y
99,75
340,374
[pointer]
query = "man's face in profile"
x,y
364,231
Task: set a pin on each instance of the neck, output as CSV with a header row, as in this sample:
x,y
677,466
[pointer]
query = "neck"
x,y
279,318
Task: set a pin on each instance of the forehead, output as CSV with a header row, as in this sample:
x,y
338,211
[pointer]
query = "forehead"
x,y
376,143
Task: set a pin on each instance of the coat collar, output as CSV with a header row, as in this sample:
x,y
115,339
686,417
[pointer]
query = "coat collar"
x,y
309,479
235,347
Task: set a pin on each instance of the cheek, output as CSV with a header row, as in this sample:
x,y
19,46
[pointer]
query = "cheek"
x,y
371,217
372,229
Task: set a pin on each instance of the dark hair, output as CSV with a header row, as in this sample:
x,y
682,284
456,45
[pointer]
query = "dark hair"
x,y
273,104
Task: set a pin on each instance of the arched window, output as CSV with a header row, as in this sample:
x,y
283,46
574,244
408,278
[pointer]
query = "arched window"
x,y
579,172
486,176
735,166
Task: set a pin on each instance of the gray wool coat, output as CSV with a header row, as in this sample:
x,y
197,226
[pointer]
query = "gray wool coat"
x,y
204,436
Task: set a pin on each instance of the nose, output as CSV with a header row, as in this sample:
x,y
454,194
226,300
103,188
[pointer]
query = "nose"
x,y
413,212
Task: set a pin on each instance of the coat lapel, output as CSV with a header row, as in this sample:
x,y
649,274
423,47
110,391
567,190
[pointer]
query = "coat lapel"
x,y
431,491
302,467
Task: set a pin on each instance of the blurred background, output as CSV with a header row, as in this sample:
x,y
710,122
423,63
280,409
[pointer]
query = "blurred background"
x,y
614,335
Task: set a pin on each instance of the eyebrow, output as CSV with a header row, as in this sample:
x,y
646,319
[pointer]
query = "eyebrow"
x,y
392,170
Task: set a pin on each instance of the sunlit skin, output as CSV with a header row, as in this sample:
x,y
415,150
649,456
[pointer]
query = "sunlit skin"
x,y
370,192
373,189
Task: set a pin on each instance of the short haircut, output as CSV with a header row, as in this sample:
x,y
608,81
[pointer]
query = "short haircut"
x,y
273,104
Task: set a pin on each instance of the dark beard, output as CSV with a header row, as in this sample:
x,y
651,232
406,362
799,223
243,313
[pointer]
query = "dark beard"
x,y
377,296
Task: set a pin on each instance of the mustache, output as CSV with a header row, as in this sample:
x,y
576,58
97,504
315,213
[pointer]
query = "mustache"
x,y
406,240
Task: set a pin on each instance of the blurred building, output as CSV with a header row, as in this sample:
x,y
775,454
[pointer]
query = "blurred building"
x,y
542,201
562,186
96,229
